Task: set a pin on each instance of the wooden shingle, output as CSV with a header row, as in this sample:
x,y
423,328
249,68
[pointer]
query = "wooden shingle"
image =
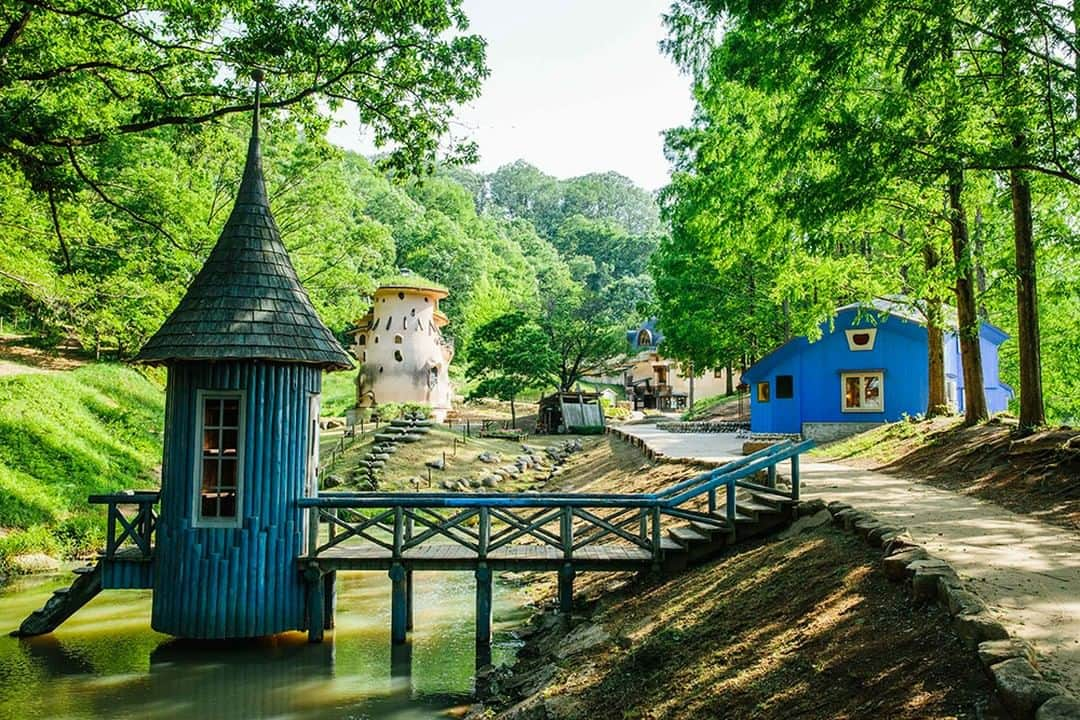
x,y
247,301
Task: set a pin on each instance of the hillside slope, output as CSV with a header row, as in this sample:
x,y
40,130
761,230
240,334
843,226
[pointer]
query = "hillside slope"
x,y
64,436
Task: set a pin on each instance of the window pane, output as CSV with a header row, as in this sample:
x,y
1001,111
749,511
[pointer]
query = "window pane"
x,y
210,442
785,386
208,506
212,412
228,442
230,412
852,392
228,474
227,505
209,474
872,391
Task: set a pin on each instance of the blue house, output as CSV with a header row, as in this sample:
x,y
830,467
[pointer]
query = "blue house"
x,y
870,367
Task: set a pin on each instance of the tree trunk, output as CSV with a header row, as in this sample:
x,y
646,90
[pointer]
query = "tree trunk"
x,y
937,403
690,398
513,413
1032,412
729,390
967,318
980,267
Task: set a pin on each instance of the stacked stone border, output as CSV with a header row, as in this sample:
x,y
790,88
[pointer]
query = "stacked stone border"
x,y
1009,661
705,426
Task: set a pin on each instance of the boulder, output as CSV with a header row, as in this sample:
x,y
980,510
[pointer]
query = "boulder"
x,y
489,458
863,527
962,602
836,506
29,563
332,481
1059,707
490,480
1021,688
582,638
807,522
811,507
896,566
928,582
840,517
974,629
991,652
875,535
437,464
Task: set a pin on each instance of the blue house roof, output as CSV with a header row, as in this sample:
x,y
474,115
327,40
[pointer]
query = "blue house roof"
x,y
905,313
655,337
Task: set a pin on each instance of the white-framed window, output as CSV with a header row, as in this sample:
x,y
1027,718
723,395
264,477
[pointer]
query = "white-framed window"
x,y
219,458
862,391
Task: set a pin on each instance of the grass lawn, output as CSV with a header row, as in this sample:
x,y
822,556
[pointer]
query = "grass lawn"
x,y
64,436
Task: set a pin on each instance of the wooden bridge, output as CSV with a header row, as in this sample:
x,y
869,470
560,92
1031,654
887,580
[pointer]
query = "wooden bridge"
x,y
566,533
401,533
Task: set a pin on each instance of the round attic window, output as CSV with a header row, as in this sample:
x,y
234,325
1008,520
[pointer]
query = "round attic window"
x,y
401,296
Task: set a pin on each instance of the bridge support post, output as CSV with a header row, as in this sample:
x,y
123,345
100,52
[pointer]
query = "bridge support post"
x,y
398,604
794,477
484,605
566,588
316,603
772,477
329,599
409,600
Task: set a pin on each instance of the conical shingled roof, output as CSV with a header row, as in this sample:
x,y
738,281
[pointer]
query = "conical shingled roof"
x,y
247,302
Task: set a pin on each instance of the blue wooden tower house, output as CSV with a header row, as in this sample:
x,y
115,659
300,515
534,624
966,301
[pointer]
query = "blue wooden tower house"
x,y
245,352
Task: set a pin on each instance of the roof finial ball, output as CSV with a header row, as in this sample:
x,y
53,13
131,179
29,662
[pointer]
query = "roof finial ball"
x,y
245,351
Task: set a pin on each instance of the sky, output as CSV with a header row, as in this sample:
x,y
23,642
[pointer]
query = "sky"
x,y
576,86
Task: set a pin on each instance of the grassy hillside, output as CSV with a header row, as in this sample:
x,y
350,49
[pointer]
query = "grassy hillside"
x,y
64,436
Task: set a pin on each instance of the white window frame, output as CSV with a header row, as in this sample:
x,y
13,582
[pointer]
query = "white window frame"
x,y
851,333
197,520
862,390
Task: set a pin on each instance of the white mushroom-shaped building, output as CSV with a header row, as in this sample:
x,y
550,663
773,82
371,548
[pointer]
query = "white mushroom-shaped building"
x,y
403,355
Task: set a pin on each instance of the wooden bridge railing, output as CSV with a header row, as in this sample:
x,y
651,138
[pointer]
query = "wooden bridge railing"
x,y
568,522
136,529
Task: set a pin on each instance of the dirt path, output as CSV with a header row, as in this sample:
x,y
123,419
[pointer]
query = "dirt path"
x,y
19,358
1026,570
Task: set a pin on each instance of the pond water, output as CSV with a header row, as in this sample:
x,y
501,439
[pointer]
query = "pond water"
x,y
106,662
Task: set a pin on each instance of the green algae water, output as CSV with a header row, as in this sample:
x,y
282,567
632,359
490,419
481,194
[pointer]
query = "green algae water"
x,y
106,662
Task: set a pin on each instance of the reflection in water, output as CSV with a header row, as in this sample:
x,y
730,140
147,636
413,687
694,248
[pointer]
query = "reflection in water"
x,y
107,662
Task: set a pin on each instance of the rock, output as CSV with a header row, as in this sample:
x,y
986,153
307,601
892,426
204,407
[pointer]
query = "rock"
x,y
896,566
489,457
991,652
437,464
979,627
490,481
962,602
562,707
448,485
531,708
411,438
533,682
822,517
811,507
332,481
1021,688
893,543
836,506
1059,707
475,483
874,536
863,527
28,563
840,517
931,579
582,638
850,520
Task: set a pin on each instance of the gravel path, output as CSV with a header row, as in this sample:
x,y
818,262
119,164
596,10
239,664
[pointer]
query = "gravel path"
x,y
1028,572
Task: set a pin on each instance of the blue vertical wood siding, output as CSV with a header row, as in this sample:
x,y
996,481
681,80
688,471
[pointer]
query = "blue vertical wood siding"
x,y
225,582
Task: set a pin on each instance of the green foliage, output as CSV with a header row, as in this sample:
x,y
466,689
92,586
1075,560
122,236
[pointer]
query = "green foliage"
x,y
705,407
509,354
64,436
393,411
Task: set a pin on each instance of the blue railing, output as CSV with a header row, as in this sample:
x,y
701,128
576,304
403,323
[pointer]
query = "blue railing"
x,y
488,521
